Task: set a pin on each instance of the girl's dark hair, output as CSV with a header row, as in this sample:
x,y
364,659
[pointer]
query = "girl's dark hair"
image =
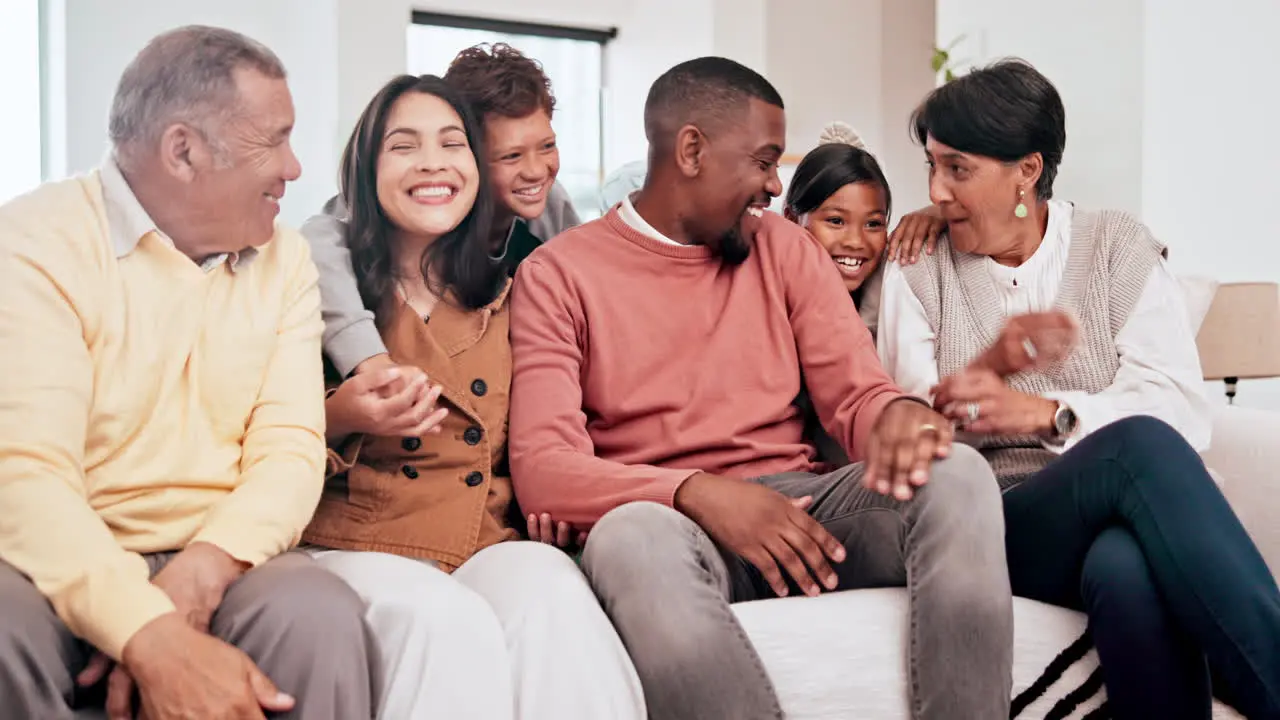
x,y
458,261
826,169
1006,111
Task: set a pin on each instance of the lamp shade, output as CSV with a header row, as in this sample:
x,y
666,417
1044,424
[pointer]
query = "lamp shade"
x,y
1240,337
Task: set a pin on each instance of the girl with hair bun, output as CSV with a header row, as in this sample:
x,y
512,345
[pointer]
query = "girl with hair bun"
x,y
840,195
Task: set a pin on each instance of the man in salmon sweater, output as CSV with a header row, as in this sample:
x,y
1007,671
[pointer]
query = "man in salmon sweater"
x,y
657,353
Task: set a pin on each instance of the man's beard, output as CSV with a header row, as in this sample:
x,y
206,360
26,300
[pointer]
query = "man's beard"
x,y
734,248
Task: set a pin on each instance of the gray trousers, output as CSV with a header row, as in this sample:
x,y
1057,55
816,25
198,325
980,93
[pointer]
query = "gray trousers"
x,y
667,587
302,626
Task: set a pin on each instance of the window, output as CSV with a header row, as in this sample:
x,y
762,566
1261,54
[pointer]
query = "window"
x,y
20,136
573,58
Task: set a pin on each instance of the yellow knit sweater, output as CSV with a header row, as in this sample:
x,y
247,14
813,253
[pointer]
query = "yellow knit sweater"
x,y
146,404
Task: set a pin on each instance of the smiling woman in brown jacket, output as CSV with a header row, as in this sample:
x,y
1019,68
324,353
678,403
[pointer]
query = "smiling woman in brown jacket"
x,y
471,622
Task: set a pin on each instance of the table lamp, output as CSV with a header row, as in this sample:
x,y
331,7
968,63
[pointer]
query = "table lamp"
x,y
1240,336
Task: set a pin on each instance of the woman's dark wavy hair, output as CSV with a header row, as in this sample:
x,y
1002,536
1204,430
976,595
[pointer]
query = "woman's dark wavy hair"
x,y
1006,111
458,261
826,169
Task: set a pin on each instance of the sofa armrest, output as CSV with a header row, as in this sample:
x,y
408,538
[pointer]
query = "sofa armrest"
x,y
1245,452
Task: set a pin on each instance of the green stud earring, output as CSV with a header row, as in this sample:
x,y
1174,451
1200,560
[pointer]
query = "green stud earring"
x,y
1021,210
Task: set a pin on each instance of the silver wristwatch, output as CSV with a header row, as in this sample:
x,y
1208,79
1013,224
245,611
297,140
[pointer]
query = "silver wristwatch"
x,y
1064,423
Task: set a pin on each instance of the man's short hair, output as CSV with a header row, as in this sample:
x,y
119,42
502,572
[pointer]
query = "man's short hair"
x,y
185,75
707,92
500,80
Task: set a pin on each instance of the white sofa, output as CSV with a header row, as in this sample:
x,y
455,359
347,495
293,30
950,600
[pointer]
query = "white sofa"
x,y
823,673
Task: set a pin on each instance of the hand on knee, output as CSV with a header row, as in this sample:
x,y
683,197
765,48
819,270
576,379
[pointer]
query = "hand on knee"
x,y
194,674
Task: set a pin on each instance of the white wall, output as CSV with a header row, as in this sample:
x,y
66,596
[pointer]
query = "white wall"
x,y
740,31
907,28
864,62
824,57
1210,161
1092,51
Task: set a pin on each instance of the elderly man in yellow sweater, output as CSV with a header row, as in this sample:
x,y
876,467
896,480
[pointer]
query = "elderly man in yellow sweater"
x,y
161,415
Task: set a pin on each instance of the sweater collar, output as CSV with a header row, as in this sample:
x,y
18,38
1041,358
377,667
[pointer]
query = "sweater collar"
x,y
128,222
667,249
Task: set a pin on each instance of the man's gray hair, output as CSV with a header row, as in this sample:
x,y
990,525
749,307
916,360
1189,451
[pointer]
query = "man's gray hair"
x,y
186,76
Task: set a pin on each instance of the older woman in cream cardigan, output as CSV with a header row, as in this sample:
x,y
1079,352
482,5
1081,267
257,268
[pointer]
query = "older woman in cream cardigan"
x,y
1108,506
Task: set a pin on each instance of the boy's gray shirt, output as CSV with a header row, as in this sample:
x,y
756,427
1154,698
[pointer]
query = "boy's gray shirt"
x,y
350,335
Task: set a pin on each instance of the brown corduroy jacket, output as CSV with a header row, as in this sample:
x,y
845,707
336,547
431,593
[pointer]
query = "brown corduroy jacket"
x,y
439,497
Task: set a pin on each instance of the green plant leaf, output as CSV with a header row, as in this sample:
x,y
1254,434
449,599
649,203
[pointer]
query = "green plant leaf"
x,y
939,60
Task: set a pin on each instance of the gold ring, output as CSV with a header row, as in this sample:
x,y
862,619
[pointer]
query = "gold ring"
x,y
929,427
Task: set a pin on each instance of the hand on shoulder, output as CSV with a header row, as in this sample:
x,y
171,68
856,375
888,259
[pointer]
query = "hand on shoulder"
x,y
919,229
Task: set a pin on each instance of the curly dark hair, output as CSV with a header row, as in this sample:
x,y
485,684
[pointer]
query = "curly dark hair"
x,y
497,79
459,260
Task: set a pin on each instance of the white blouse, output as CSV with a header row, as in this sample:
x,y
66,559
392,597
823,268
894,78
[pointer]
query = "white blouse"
x,y
1159,371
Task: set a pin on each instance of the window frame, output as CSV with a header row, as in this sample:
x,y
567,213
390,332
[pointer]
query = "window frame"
x,y
602,36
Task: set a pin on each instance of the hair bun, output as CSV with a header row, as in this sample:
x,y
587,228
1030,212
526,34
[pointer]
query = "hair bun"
x,y
841,133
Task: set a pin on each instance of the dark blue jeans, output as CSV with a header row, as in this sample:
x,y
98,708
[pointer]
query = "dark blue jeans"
x,y
1129,527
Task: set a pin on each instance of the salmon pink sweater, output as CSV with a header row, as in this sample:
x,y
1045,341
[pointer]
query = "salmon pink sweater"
x,y
639,363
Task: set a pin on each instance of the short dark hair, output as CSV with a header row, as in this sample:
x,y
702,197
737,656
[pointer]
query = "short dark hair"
x,y
1006,111
826,169
706,91
497,79
459,260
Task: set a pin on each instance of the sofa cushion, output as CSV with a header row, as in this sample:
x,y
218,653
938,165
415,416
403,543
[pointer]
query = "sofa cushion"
x,y
842,655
